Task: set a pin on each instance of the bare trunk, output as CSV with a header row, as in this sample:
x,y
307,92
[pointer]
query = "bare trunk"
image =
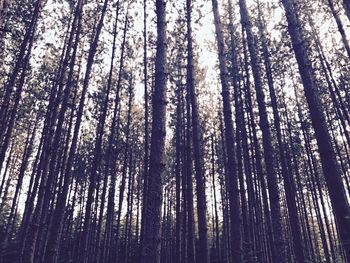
x,y
229,139
151,246
328,156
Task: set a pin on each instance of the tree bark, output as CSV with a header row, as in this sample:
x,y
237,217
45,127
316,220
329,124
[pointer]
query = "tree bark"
x,y
274,196
289,184
340,26
151,246
203,253
229,139
346,5
329,162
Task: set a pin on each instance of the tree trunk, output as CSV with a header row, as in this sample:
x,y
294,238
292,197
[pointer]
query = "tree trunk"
x,y
328,157
289,184
229,139
178,163
151,246
340,26
346,5
203,253
272,181
146,95
21,63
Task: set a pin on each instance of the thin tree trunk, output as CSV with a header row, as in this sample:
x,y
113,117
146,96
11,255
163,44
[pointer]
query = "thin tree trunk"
x,y
229,139
21,63
178,148
146,95
328,157
346,5
274,196
56,228
203,253
289,184
340,26
191,252
124,169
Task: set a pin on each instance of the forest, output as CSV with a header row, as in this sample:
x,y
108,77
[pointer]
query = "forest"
x,y
164,131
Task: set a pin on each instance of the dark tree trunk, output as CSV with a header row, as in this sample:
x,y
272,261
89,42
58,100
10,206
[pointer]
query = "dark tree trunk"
x,y
216,233
6,127
23,167
229,139
178,163
56,226
146,95
124,170
151,242
203,253
191,242
257,161
274,196
340,26
8,161
289,184
328,156
112,152
346,5
21,63
7,184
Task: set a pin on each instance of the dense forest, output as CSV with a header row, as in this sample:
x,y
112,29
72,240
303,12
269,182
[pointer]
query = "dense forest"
x,y
172,131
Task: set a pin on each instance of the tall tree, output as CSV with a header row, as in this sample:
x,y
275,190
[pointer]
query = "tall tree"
x,y
288,179
274,195
232,182
151,242
329,161
203,255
